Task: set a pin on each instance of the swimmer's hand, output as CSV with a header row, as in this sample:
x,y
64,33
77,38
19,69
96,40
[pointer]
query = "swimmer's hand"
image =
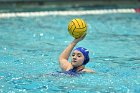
x,y
79,39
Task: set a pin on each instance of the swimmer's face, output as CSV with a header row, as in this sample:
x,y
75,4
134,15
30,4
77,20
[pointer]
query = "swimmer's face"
x,y
77,58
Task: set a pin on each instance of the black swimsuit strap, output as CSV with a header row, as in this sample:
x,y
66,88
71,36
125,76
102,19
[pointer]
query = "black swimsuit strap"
x,y
75,69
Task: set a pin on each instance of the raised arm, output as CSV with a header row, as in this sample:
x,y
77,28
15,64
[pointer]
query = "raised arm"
x,y
63,58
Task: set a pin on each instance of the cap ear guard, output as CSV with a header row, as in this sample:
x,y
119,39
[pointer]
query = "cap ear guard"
x,y
85,52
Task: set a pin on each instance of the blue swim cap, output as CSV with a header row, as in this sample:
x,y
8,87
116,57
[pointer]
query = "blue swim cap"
x,y
85,52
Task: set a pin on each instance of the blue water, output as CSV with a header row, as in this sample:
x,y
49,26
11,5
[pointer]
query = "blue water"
x,y
30,47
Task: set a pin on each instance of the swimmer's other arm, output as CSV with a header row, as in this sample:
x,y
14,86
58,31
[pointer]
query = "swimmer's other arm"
x,y
88,70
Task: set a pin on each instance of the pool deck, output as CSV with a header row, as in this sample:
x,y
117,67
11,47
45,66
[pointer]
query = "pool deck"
x,y
39,5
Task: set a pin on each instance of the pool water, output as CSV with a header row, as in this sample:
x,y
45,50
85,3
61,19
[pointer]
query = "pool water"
x,y
30,47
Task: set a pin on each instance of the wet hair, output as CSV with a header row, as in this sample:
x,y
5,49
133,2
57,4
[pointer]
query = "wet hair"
x,y
85,52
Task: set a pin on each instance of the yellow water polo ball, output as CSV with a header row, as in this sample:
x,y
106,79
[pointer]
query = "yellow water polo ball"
x,y
77,27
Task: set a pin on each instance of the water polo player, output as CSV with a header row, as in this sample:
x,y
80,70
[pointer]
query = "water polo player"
x,y
79,58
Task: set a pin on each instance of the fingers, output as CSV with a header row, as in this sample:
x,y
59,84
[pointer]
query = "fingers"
x,y
84,35
81,38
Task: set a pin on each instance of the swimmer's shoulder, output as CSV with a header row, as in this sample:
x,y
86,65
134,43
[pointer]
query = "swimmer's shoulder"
x,y
88,70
